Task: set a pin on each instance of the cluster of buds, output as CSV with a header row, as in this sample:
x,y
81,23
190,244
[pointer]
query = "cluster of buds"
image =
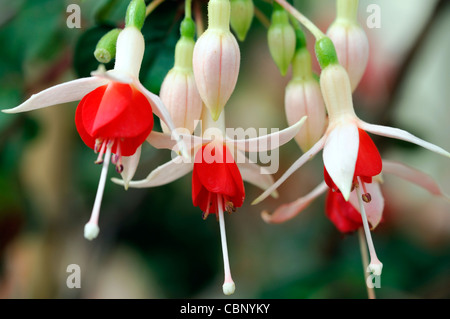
x,y
304,98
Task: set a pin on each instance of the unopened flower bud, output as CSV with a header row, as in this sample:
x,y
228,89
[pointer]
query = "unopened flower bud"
x,y
350,40
216,59
303,97
281,39
242,12
105,50
179,92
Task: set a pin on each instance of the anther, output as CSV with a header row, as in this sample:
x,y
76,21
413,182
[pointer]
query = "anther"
x,y
366,197
205,215
100,155
98,145
119,168
229,207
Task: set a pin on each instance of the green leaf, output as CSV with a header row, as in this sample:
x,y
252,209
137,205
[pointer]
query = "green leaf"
x,y
161,32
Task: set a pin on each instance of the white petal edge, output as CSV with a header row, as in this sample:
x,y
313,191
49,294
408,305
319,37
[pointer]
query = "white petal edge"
x,y
166,141
340,154
374,209
130,164
256,175
401,135
62,93
269,141
161,111
414,176
162,175
288,211
297,164
113,75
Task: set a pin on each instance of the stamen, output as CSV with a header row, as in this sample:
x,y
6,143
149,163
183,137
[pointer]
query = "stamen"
x,y
91,229
228,286
375,265
119,166
98,145
100,155
366,197
206,214
229,207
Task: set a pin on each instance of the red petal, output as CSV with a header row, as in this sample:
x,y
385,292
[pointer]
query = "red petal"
x,y
343,215
368,163
115,101
135,119
115,111
85,116
216,172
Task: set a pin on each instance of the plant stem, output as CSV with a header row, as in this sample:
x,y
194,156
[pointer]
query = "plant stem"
x,y
302,19
152,6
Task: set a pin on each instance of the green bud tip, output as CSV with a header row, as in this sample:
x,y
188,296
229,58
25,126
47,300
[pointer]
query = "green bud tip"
x,y
135,14
187,28
105,50
242,12
325,52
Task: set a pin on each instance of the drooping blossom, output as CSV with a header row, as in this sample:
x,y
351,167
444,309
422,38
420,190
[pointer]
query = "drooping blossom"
x,y
350,157
114,116
219,167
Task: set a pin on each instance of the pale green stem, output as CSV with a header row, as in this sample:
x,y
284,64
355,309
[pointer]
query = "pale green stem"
x,y
187,8
261,17
152,6
347,10
302,19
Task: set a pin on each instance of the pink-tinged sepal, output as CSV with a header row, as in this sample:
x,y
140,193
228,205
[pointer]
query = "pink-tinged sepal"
x,y
288,211
414,176
373,203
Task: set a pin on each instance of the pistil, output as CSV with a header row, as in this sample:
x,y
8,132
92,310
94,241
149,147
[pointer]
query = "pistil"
x,y
228,285
91,229
375,265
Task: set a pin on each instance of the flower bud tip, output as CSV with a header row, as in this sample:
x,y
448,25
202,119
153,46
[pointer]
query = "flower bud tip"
x,y
228,288
91,231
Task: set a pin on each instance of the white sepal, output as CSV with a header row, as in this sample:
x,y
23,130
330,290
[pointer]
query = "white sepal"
x,y
130,164
340,154
62,93
288,211
162,175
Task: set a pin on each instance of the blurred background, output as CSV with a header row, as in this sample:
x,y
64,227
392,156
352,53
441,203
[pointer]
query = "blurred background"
x,y
153,243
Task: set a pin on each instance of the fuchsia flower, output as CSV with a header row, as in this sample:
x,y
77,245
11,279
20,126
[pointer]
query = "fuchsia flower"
x,y
217,176
216,181
351,159
115,115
